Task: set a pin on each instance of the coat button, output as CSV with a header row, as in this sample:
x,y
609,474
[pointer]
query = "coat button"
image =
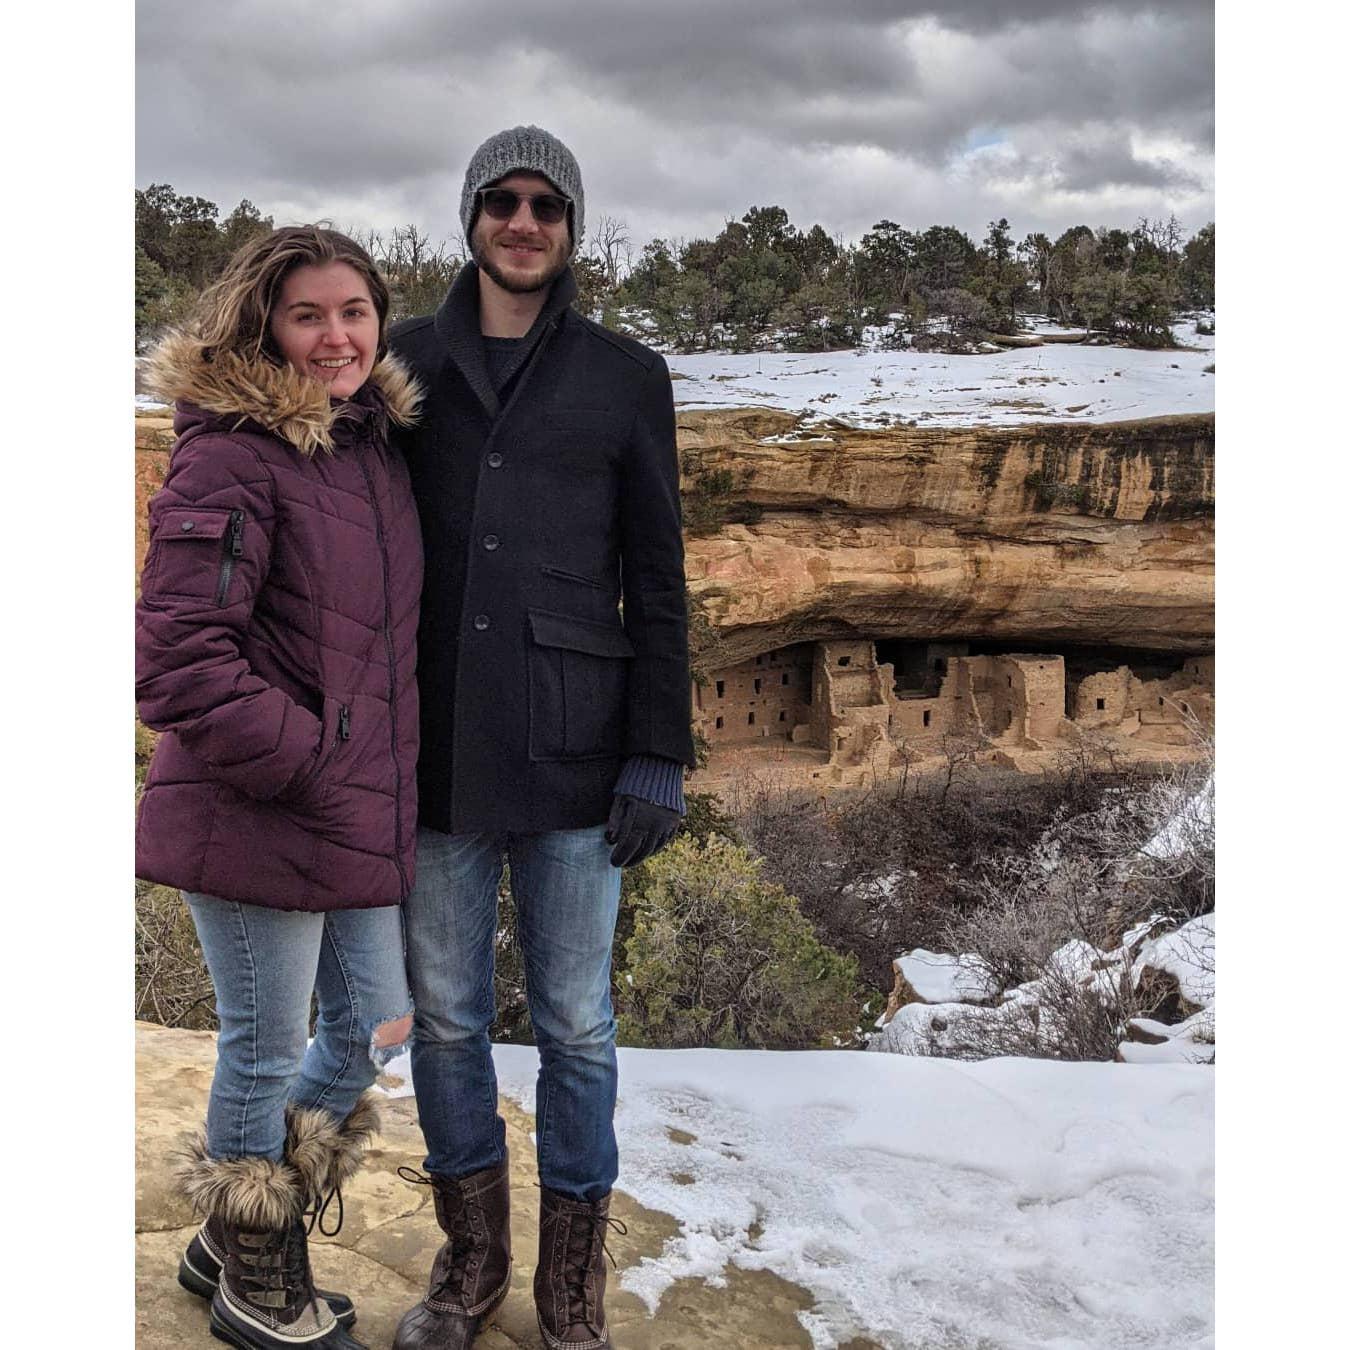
x,y
481,621
490,541
188,525
495,460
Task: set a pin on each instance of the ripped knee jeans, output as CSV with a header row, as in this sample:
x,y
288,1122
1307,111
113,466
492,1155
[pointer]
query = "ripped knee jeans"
x,y
265,963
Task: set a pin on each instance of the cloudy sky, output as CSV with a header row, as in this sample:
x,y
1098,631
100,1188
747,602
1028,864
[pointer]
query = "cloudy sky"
x,y
684,113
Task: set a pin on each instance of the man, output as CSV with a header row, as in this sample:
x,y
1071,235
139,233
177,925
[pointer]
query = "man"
x,y
554,678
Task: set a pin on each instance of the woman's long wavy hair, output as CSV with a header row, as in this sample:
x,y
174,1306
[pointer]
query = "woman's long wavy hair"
x,y
234,314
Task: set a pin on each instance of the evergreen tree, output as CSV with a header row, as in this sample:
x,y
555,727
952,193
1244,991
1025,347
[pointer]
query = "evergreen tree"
x,y
1197,269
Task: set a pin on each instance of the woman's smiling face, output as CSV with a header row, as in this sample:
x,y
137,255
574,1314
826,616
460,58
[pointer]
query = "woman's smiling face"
x,y
327,327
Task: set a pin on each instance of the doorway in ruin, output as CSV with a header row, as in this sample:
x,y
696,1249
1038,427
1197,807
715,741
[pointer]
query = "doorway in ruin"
x,y
920,667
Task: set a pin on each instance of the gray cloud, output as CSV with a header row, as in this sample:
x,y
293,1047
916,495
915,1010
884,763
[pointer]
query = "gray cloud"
x,y
684,114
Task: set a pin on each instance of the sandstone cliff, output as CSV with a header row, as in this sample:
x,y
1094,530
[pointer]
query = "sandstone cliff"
x,y
1062,533
1072,533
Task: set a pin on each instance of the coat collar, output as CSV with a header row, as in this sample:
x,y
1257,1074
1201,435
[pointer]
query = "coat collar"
x,y
277,398
458,326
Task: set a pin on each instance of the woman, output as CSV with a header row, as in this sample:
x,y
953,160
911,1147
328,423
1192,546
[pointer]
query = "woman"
x,y
275,649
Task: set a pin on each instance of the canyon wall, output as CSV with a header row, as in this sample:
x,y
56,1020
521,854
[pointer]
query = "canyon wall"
x,y
1062,533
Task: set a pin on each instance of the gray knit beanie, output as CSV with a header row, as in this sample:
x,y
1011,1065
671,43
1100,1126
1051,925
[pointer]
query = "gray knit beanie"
x,y
528,150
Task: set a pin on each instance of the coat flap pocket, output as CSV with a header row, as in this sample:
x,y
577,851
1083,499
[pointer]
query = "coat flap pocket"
x,y
192,522
579,635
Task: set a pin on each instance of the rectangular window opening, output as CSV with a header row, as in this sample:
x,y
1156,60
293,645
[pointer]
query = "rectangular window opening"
x,y
927,716
751,720
719,724
844,660
1101,705
721,688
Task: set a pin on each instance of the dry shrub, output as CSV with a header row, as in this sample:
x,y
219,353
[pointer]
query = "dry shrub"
x,y
172,985
888,869
1141,859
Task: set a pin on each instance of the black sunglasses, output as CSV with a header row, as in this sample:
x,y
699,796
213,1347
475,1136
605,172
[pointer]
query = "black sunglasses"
x,y
548,208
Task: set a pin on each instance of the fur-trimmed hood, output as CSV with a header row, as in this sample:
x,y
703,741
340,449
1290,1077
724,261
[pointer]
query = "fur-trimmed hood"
x,y
277,398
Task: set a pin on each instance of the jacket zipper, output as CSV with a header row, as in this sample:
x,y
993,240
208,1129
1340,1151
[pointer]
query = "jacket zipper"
x,y
393,684
234,548
344,733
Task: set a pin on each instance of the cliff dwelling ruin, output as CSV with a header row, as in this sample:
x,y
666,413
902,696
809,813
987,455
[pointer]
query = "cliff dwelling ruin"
x,y
842,713
877,601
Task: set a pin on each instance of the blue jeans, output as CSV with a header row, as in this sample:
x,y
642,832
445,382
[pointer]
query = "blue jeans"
x,y
566,896
265,963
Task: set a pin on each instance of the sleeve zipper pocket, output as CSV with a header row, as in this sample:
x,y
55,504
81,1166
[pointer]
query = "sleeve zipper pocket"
x,y
234,548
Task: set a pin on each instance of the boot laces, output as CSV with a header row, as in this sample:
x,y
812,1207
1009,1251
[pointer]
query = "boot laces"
x,y
459,1234
318,1208
279,1264
585,1241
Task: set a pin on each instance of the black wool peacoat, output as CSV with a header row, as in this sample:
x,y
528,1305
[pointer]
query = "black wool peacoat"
x,y
554,635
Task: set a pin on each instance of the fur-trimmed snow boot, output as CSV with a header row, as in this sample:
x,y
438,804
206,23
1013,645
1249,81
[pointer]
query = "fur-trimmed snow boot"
x,y
251,1255
569,1281
199,1271
472,1270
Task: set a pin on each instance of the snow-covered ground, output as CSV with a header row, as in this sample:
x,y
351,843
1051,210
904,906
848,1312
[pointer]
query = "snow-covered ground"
x,y
870,388
1000,1205
1051,383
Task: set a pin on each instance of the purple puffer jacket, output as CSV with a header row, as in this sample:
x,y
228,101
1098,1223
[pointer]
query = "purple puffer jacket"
x,y
276,640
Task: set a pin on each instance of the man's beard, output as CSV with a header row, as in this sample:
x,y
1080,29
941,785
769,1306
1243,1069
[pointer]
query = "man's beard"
x,y
514,285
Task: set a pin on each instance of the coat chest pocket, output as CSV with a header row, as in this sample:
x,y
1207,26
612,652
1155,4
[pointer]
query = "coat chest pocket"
x,y
578,673
193,553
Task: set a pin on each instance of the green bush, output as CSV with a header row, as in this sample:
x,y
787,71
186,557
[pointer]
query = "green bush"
x,y
719,957
1049,493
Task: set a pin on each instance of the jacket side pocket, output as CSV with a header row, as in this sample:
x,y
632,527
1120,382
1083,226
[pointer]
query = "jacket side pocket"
x,y
192,553
311,783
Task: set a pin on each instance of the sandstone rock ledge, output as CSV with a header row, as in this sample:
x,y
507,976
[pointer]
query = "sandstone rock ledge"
x,y
384,1251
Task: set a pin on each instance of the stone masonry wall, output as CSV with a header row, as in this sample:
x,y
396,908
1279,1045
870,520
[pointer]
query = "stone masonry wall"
x,y
767,695
836,697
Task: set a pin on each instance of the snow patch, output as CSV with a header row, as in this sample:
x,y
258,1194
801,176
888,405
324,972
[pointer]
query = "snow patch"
x,y
938,978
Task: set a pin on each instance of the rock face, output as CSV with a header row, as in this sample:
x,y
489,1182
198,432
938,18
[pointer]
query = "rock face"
x,y
1073,533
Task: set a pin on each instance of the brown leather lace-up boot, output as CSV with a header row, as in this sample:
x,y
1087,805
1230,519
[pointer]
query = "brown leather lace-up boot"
x,y
472,1270
569,1282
